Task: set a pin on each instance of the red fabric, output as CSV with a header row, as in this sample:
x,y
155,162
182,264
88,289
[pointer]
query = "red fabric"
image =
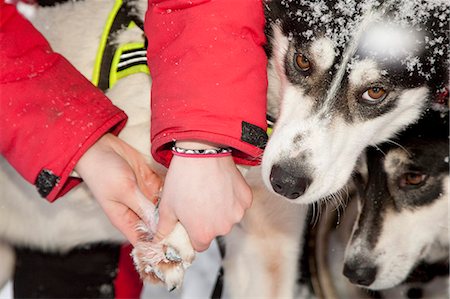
x,y
50,113
127,283
209,73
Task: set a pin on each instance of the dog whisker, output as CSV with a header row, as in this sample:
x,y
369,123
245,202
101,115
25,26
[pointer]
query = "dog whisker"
x,y
378,148
317,211
399,145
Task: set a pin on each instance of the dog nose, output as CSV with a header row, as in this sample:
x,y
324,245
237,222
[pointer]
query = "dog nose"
x,y
360,274
286,184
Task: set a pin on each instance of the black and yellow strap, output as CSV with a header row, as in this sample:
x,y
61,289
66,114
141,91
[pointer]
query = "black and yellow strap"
x,y
270,123
113,61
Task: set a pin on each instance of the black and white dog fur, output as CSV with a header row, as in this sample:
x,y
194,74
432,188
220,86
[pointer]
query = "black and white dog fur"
x,y
403,208
342,76
323,77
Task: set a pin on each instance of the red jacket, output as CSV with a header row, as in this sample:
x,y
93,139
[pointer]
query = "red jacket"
x,y
208,69
209,83
50,116
50,113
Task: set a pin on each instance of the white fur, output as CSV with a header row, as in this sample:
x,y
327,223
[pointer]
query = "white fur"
x,y
276,73
27,10
7,264
323,53
424,236
398,160
61,24
410,106
262,251
363,72
398,251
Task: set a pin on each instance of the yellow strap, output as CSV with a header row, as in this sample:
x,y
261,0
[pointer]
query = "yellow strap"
x,y
103,40
114,75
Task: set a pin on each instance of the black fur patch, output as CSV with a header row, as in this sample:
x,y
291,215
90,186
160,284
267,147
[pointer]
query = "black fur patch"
x,y
84,272
375,200
45,3
425,272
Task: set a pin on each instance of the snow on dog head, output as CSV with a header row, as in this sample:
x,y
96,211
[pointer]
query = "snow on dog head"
x,y
339,82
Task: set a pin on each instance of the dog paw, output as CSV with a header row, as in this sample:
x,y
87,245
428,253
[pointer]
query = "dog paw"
x,y
165,261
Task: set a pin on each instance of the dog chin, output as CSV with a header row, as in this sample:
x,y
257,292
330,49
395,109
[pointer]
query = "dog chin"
x,y
387,282
392,273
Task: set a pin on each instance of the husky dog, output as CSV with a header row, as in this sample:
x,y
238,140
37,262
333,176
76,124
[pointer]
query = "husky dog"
x,y
403,208
342,76
333,92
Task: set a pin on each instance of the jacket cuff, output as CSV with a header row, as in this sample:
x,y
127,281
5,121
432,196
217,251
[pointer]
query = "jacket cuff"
x,y
246,151
52,186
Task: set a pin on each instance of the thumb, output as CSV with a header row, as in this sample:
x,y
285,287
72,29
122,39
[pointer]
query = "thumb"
x,y
166,224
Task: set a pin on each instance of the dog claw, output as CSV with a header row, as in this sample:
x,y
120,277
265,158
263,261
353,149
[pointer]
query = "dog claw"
x,y
148,269
172,255
159,274
161,261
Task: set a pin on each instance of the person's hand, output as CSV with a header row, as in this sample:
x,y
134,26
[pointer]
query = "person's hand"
x,y
121,181
207,195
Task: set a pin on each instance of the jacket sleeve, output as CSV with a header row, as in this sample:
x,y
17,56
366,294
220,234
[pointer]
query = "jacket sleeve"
x,y
50,114
209,77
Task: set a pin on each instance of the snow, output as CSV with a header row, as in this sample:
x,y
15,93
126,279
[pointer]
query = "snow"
x,y
345,22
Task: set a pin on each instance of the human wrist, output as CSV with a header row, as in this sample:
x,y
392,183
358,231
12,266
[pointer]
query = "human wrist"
x,y
86,160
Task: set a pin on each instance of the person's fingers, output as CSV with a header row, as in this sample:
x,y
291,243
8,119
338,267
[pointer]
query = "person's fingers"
x,y
201,237
148,181
166,224
200,246
140,205
126,222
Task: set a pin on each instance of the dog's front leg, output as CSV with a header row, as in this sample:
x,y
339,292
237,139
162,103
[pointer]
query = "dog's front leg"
x,y
165,261
262,252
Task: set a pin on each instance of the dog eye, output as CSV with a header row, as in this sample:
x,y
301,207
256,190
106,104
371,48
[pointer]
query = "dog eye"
x,y
374,95
302,62
412,179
